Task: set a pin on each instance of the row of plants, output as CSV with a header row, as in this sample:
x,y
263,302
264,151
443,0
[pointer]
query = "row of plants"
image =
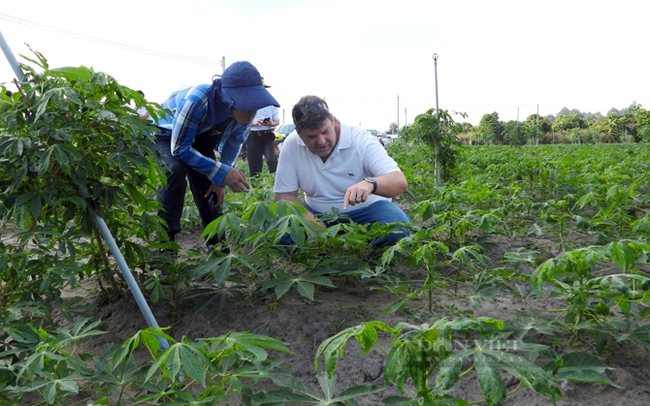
x,y
75,146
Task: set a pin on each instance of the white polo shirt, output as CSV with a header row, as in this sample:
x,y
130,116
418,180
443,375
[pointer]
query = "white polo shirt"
x,y
356,156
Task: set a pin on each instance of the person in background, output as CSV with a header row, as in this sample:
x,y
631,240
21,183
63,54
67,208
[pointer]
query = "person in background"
x,y
261,141
142,111
339,167
204,118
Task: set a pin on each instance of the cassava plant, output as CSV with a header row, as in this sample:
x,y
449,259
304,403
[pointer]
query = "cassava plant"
x,y
425,361
201,372
438,130
73,144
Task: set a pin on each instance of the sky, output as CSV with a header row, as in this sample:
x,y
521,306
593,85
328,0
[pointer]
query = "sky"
x,y
371,60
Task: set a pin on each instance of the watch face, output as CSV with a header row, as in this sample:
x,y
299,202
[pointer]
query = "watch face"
x,y
370,179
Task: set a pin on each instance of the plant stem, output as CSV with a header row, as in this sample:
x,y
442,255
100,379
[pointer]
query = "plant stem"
x,y
470,369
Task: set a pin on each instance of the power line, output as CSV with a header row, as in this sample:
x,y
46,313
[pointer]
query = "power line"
x,y
109,43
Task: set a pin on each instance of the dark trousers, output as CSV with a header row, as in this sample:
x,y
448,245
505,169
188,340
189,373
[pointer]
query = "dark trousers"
x,y
261,144
172,197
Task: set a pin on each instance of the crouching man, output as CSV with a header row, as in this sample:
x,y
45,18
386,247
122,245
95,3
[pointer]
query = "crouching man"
x,y
341,167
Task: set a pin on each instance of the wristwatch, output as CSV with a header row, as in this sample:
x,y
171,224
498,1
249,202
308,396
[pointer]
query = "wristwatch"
x,y
374,183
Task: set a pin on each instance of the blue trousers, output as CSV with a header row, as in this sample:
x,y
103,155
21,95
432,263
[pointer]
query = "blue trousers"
x,y
382,212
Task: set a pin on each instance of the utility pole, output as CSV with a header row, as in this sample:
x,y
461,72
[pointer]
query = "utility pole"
x,y
438,163
517,128
406,121
397,114
537,127
223,64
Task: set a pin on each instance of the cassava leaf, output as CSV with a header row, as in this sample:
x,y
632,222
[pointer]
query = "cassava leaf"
x,y
491,383
582,367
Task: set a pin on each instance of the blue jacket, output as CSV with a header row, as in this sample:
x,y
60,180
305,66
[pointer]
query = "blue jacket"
x,y
191,116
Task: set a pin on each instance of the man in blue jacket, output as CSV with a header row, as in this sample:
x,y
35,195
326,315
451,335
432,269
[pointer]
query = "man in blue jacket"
x,y
203,119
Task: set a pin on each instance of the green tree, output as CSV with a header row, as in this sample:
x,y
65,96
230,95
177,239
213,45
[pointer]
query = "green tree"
x,y
614,112
392,128
568,122
515,133
613,126
537,126
631,126
642,118
490,129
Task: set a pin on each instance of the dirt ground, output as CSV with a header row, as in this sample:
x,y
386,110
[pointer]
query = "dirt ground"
x,y
303,325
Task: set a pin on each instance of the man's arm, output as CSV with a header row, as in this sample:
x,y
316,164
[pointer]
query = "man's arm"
x,y
190,110
391,184
226,173
275,117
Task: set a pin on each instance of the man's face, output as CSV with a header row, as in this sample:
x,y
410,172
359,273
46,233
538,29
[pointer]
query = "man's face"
x,y
242,116
322,140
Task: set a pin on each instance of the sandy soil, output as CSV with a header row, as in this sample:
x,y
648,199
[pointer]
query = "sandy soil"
x,y
303,325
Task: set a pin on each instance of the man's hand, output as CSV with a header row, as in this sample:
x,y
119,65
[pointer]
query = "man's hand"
x,y
357,193
219,191
236,180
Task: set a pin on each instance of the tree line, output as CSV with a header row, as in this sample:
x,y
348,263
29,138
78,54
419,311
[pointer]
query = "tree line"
x,y
631,124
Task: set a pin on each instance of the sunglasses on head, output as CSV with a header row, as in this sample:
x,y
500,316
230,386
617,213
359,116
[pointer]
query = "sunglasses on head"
x,y
311,107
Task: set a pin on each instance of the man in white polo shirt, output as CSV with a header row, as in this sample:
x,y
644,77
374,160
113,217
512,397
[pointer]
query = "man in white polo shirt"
x,y
339,167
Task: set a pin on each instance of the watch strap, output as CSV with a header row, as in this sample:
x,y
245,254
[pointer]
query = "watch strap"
x,y
374,183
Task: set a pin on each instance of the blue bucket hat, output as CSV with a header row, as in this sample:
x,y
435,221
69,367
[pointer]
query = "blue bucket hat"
x,y
245,86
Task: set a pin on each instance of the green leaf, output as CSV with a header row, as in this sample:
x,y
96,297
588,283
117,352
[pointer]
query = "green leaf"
x,y
327,384
282,288
305,289
50,392
100,401
334,347
195,365
368,337
219,267
582,367
43,102
623,254
81,73
256,344
449,370
356,392
489,380
68,385
275,397
173,361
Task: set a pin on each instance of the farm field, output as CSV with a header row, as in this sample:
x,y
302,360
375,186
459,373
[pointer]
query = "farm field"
x,y
525,279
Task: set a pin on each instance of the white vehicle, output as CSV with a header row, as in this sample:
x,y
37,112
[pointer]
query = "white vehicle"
x,y
384,139
381,138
